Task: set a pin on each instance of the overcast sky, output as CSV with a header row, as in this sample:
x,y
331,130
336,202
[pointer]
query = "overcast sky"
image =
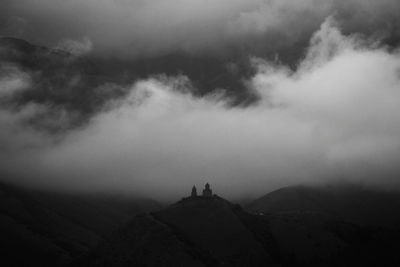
x,y
137,27
332,117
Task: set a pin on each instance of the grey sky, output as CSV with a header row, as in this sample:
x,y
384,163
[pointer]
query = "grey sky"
x,y
333,118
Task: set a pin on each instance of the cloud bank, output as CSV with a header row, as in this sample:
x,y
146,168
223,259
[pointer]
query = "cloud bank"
x,y
333,118
152,27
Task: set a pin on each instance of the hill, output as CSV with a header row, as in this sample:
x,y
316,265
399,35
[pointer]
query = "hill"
x,y
39,228
299,226
351,203
213,232
192,232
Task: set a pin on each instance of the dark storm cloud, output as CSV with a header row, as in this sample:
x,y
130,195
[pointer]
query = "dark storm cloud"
x,y
138,27
332,118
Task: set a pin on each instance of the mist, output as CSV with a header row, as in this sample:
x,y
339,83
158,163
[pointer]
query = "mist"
x,y
333,118
137,28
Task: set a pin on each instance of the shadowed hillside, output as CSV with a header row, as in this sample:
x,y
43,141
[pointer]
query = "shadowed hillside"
x,y
360,205
210,231
49,229
212,225
199,231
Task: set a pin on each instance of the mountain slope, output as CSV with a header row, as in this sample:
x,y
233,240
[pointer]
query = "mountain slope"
x,y
212,225
202,231
143,242
350,203
213,232
50,229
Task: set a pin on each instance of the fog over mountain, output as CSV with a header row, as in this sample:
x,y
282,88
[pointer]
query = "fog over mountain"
x,y
151,97
137,27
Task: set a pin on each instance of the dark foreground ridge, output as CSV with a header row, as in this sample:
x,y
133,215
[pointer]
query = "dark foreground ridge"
x,y
39,228
208,230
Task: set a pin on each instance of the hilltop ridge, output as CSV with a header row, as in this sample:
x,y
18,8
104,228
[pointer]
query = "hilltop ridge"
x,y
211,231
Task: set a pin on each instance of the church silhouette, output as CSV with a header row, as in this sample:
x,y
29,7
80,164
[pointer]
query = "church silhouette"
x,y
207,192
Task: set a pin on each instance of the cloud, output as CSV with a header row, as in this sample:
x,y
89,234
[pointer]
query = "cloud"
x,y
334,117
347,90
145,28
12,80
280,16
75,47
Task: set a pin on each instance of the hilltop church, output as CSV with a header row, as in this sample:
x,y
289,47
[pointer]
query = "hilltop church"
x,y
207,192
